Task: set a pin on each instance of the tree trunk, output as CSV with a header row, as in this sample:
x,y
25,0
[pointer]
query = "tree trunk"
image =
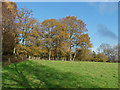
x,y
65,58
14,51
70,54
49,53
74,56
57,55
29,57
22,58
9,60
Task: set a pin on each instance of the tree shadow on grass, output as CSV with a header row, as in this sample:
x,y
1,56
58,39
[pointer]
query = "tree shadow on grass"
x,y
15,75
29,74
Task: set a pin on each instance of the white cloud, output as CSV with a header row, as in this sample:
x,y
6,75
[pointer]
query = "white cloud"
x,y
105,7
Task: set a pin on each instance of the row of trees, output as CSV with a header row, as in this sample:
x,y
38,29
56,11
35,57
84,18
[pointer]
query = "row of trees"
x,y
109,51
8,28
51,38
58,39
24,35
104,53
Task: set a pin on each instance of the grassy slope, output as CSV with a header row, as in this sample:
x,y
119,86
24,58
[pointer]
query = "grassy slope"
x,y
60,74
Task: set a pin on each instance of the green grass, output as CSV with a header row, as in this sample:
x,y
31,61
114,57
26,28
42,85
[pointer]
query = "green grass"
x,y
60,74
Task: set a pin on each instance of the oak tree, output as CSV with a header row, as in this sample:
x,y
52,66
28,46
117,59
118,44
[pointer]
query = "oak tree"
x,y
75,27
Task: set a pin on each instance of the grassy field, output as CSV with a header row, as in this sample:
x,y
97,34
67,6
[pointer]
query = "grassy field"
x,y
60,74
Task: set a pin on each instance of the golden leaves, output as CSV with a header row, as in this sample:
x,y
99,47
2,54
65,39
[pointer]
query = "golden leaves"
x,y
55,35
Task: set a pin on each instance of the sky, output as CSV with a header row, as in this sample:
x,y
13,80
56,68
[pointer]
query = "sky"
x,y
101,17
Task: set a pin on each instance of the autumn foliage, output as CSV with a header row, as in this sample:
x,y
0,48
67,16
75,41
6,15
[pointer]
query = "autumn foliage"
x,y
53,39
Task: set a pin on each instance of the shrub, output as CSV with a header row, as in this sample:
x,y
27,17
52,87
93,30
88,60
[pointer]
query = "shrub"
x,y
101,58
